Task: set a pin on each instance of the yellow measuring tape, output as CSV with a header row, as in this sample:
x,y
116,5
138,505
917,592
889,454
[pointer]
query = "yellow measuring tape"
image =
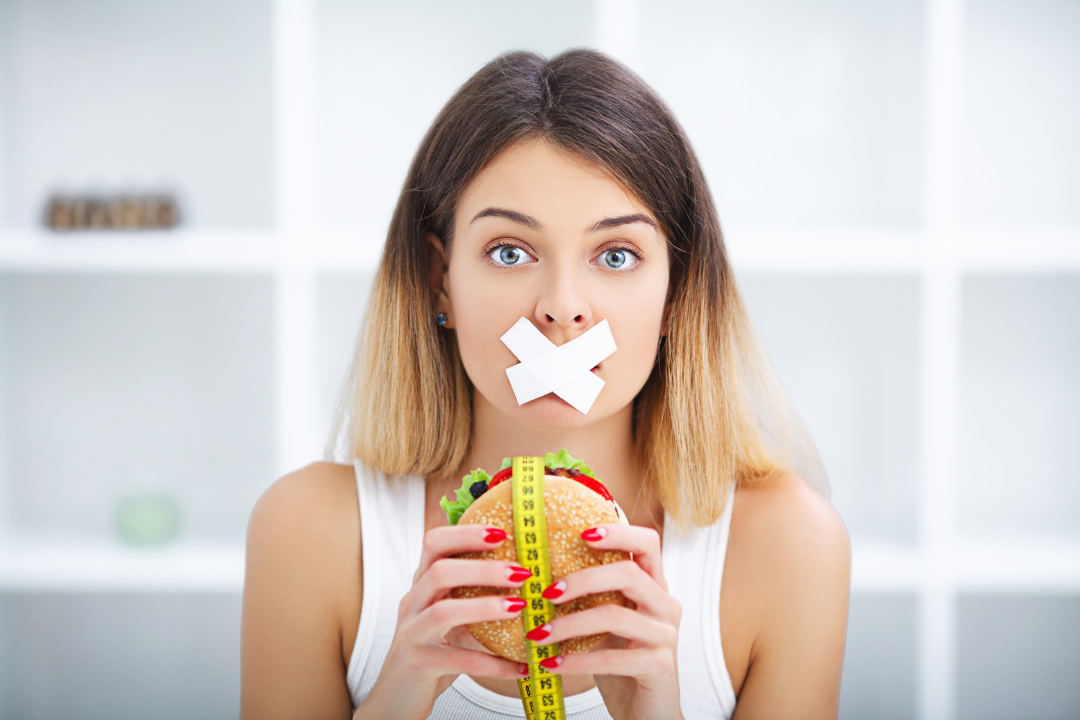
x,y
541,692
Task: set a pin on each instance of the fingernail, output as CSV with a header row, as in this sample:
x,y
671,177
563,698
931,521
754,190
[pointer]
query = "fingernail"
x,y
495,535
594,534
513,604
552,662
515,573
556,590
523,669
539,633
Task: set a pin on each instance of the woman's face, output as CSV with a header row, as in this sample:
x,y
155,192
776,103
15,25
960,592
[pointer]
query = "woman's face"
x,y
541,234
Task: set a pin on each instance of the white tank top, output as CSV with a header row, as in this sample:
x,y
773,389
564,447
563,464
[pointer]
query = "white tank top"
x,y
392,530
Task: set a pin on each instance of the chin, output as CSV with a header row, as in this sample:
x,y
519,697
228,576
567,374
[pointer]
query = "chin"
x,y
553,414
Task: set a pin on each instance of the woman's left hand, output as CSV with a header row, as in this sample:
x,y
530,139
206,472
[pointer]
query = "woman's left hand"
x,y
640,680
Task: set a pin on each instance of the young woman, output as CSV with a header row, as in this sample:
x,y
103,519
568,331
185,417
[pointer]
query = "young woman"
x,y
562,191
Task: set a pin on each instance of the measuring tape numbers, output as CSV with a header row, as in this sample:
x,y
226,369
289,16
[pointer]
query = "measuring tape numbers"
x,y
541,692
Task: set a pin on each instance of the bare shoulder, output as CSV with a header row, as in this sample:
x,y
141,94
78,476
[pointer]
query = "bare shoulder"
x,y
301,585
296,503
304,534
790,566
785,519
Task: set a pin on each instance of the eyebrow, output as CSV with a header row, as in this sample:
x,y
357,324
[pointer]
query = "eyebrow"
x,y
520,218
534,224
608,223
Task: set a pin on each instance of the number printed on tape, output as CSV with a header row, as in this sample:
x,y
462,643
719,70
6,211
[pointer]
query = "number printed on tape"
x,y
542,689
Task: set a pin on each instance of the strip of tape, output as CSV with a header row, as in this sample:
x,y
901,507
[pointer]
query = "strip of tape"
x,y
562,369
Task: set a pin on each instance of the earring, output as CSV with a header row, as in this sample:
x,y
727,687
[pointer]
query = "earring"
x,y
441,319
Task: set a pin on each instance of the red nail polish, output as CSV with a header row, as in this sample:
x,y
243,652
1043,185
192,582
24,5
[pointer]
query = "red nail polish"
x,y
513,604
537,634
495,535
594,534
519,574
555,590
524,670
552,662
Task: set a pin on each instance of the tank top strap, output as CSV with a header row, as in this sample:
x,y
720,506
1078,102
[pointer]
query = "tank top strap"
x,y
694,569
392,535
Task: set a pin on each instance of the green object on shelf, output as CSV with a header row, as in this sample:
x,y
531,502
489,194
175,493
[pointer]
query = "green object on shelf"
x,y
147,519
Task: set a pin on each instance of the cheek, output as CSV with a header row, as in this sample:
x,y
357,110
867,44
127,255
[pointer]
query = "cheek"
x,y
637,332
480,319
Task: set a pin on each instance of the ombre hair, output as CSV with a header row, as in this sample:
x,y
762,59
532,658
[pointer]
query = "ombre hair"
x,y
712,412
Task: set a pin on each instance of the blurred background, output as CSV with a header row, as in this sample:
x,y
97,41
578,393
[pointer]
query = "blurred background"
x,y
899,185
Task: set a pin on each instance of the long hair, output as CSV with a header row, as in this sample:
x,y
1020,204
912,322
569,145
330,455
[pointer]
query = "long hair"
x,y
712,412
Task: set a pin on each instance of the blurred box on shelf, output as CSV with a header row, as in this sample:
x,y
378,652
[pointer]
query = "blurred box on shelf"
x,y
147,520
150,211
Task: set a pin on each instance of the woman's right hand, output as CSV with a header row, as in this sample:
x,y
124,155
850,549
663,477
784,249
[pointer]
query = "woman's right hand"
x,y
422,662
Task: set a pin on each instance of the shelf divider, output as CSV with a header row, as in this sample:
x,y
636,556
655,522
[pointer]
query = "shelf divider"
x,y
294,304
940,325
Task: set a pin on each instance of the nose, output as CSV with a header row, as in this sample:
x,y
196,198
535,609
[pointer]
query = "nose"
x,y
562,310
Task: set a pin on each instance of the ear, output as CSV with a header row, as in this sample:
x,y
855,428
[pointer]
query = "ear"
x,y
438,268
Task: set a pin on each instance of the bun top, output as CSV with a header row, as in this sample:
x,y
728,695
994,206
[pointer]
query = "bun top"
x,y
569,508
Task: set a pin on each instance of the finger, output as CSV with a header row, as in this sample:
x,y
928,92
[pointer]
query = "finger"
x,y
453,539
627,577
459,661
643,663
449,573
615,619
643,542
432,625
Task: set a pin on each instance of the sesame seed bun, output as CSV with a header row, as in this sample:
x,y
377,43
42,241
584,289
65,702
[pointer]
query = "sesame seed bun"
x,y
569,508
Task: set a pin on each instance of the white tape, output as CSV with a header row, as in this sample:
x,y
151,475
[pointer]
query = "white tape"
x,y
565,370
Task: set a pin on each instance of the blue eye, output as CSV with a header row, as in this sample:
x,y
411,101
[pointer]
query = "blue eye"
x,y
508,256
618,259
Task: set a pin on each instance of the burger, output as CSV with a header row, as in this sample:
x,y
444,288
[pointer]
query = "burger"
x,y
574,501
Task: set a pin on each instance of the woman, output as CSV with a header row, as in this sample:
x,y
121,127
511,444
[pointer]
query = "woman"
x,y
564,192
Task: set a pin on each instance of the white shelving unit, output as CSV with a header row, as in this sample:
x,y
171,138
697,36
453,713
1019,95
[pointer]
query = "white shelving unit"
x,y
299,249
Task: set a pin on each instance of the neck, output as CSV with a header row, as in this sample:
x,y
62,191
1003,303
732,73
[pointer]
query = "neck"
x,y
606,446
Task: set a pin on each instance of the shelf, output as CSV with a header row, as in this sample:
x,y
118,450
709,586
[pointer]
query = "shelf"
x,y
1019,249
80,568
174,252
184,251
878,567
1027,567
843,251
1022,566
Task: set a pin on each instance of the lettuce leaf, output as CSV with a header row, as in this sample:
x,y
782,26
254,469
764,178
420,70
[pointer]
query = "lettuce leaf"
x,y
454,510
561,459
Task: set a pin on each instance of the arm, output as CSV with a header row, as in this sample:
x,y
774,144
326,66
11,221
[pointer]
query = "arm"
x,y
304,533
797,557
303,574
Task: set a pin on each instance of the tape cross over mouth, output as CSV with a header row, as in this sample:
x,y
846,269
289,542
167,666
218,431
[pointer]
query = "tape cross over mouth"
x,y
562,369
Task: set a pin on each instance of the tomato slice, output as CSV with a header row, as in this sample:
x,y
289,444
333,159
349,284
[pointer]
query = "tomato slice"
x,y
595,485
500,476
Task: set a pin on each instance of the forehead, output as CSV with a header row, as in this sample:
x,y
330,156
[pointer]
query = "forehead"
x,y
537,177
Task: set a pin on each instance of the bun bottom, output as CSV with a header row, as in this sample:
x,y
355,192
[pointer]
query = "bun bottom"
x,y
569,508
